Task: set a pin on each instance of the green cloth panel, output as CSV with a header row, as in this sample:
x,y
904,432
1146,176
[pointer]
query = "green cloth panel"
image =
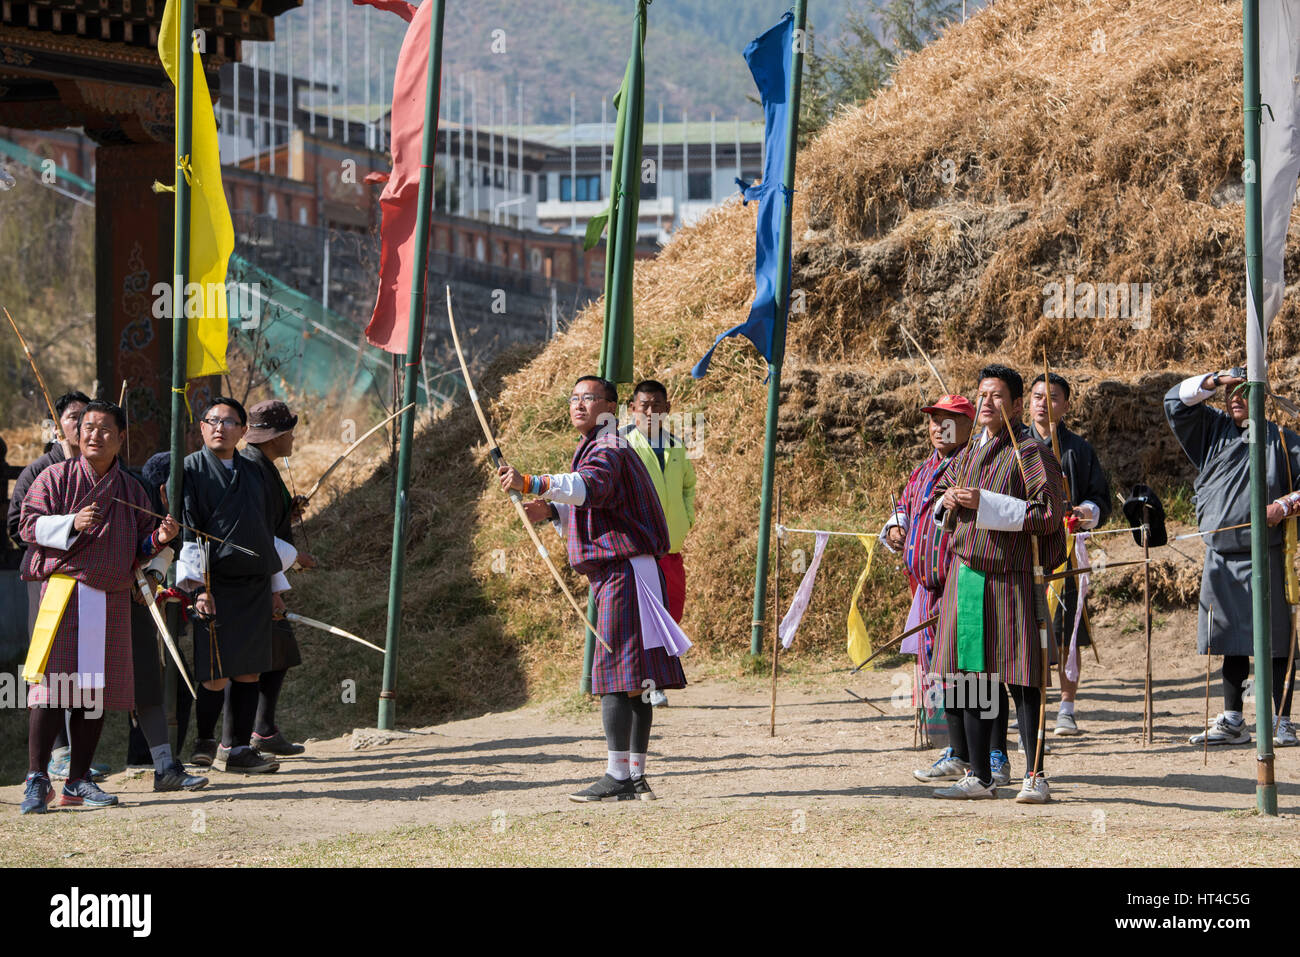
x,y
970,619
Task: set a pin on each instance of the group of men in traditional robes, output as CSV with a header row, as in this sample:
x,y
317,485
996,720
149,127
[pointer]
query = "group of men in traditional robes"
x,y
95,545
990,505
985,508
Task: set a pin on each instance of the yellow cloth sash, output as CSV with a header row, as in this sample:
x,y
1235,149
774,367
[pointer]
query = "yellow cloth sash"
x,y
53,603
859,643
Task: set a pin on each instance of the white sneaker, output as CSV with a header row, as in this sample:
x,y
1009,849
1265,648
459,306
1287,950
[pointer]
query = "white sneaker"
x,y
1223,732
968,788
947,768
1284,735
1035,791
659,699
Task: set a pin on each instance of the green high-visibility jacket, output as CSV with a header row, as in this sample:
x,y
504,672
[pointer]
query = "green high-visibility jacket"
x,y
674,483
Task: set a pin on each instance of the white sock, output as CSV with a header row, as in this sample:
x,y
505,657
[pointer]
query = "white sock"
x,y
616,767
1067,707
1234,717
636,765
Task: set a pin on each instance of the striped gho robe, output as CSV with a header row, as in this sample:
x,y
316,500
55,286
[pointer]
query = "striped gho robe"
x,y
101,559
993,629
927,551
619,518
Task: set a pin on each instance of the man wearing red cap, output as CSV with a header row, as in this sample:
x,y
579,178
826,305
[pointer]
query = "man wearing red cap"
x,y
927,553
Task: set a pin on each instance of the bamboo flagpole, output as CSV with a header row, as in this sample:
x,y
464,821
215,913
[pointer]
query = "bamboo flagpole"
x,y
414,348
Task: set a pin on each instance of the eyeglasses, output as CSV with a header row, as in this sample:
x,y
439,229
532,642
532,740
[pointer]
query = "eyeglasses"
x,y
221,423
587,398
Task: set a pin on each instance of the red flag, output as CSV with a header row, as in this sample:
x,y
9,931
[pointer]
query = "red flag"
x,y
400,7
400,199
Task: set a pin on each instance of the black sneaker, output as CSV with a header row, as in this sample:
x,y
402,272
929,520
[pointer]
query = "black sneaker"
x,y
38,792
84,793
606,789
243,761
175,778
641,787
205,749
276,744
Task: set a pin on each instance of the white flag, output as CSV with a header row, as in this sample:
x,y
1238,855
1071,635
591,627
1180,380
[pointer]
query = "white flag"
x,y
790,623
1279,84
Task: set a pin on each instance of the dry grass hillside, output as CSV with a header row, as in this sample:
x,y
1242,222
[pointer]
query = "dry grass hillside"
x,y
1043,141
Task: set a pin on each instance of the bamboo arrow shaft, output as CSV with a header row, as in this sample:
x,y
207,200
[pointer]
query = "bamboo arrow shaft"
x,y
350,449
238,548
40,379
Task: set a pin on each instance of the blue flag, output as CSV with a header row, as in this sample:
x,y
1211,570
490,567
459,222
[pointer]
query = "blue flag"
x,y
769,58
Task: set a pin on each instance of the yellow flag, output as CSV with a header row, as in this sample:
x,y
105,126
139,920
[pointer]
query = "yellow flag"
x,y
859,643
53,604
212,235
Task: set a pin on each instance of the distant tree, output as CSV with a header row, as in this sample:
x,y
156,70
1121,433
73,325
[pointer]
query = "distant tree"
x,y
871,45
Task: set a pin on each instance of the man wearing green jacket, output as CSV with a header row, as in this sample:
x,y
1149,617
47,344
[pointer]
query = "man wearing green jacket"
x,y
664,457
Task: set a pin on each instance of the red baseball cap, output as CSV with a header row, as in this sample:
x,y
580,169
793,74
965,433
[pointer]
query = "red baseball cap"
x,y
953,403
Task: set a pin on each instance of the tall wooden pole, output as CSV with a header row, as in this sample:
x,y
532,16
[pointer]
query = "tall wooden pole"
x,y
776,610
414,349
1257,374
782,296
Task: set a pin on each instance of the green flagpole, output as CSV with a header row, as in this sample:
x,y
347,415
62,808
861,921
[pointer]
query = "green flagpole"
x,y
1265,787
414,347
180,268
620,255
778,330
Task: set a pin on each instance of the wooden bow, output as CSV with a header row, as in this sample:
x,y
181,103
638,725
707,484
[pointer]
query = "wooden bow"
x,y
40,380
494,452
349,450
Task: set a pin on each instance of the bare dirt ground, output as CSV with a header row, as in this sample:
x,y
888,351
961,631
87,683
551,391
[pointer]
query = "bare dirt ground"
x,y
834,786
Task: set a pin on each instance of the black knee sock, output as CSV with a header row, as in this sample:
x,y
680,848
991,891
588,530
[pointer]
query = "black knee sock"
x,y
643,714
979,735
957,734
184,708
1235,670
999,742
268,696
207,710
43,726
1027,703
616,716
240,713
83,733
137,746
1279,685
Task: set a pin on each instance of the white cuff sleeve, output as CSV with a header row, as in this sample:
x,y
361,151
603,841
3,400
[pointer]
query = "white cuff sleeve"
x,y
56,531
160,562
286,553
1094,515
563,522
1190,391
567,488
1000,513
190,566
895,520
279,582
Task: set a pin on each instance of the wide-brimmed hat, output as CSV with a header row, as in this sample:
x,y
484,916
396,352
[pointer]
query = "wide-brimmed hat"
x,y
267,420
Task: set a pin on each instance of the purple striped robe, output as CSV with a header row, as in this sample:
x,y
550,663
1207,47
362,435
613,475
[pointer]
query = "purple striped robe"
x,y
620,519
1011,643
103,558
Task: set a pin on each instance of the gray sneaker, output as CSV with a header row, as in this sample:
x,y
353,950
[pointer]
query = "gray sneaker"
x,y
1223,731
1001,768
947,768
659,699
1284,735
1065,724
